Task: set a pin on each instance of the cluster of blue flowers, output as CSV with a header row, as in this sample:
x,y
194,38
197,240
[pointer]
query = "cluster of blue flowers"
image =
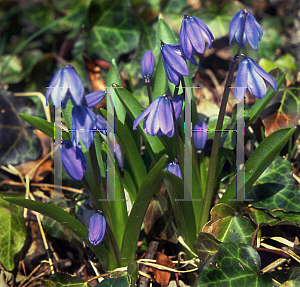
x,y
65,85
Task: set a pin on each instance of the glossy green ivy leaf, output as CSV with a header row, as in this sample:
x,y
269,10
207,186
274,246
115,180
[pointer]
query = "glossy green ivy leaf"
x,y
206,246
64,280
18,143
227,227
260,216
13,232
122,281
134,108
136,217
183,210
281,215
235,264
43,125
116,31
275,189
69,222
261,158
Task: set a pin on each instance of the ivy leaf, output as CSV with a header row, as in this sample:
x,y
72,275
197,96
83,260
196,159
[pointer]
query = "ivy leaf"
x,y
62,280
235,264
275,189
116,31
18,143
122,281
227,227
13,232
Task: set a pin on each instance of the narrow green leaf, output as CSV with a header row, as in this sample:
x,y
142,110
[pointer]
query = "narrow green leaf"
x,y
130,150
69,222
259,161
43,125
136,217
113,77
160,84
183,210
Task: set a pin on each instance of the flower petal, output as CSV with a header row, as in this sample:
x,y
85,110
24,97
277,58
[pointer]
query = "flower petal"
x,y
251,32
256,84
241,80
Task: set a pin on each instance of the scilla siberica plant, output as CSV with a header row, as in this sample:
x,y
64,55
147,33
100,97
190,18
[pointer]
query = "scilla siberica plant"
x,y
87,152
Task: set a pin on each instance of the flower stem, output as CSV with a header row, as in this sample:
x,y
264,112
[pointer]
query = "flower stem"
x,y
147,81
211,178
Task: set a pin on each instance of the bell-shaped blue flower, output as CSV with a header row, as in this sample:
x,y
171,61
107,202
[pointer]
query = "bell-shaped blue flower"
x,y
83,125
252,33
64,85
72,159
200,133
174,63
147,64
174,168
119,156
193,33
93,99
250,75
158,117
97,228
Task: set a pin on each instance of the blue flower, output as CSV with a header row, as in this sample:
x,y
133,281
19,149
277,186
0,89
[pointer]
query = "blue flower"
x,y
174,168
159,116
147,64
64,85
93,99
174,63
83,125
250,75
200,133
101,124
252,33
119,156
193,33
73,160
97,228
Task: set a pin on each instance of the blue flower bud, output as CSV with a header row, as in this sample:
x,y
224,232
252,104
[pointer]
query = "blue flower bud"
x,y
72,159
83,125
252,33
193,33
97,228
119,156
93,99
174,168
250,75
147,64
64,85
200,133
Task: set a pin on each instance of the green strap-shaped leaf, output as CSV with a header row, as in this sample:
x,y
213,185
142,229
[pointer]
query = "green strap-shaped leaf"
x,y
235,264
43,125
183,210
69,222
136,217
259,161
130,150
134,109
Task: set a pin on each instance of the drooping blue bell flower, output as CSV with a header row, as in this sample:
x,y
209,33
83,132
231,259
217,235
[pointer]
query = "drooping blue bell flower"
x,y
158,117
64,85
174,168
93,99
193,33
147,64
83,125
175,65
200,133
250,75
97,228
252,33
101,124
72,159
